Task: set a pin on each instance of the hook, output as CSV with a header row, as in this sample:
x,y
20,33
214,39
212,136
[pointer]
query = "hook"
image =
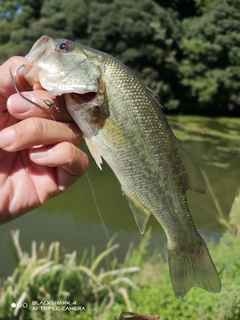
x,y
49,103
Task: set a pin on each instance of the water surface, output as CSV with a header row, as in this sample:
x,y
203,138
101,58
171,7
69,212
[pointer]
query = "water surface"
x,y
73,218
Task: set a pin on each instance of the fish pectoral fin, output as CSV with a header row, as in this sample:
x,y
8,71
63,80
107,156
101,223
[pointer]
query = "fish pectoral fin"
x,y
94,152
141,214
194,177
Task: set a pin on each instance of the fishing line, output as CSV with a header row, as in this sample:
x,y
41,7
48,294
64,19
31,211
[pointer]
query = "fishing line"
x,y
92,191
51,104
94,197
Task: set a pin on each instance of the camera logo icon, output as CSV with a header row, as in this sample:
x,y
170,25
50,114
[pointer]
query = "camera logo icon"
x,y
19,305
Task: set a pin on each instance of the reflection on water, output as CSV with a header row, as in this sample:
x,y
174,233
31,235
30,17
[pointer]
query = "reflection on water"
x,y
73,219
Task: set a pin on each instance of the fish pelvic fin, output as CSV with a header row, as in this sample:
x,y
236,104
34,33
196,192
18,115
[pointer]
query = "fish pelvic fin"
x,y
189,269
140,213
94,152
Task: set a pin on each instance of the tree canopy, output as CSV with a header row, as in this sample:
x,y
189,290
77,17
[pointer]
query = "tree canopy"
x,y
187,51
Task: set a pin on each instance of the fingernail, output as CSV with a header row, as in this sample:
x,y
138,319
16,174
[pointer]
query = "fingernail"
x,y
37,155
7,137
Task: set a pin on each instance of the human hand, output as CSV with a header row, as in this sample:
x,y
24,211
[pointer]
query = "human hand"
x,y
39,157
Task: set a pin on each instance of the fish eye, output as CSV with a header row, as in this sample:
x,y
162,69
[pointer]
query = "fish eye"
x,y
64,46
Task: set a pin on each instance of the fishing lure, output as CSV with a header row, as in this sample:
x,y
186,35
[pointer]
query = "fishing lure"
x,y
49,104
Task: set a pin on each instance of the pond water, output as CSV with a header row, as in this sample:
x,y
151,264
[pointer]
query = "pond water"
x,y
73,218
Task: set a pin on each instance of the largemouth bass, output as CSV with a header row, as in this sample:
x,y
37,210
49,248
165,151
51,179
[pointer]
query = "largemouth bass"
x,y
123,123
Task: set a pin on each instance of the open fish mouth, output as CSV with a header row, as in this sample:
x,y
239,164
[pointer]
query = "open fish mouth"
x,y
82,98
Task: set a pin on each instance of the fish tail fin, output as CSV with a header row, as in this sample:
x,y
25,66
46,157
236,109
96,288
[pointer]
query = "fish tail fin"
x,y
189,269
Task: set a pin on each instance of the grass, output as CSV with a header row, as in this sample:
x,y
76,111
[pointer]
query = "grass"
x,y
103,288
46,275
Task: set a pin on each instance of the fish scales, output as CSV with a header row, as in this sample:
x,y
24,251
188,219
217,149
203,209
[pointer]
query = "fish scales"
x,y
125,125
155,157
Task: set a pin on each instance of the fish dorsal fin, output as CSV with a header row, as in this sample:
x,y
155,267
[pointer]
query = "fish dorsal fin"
x,y
194,177
94,152
154,96
141,214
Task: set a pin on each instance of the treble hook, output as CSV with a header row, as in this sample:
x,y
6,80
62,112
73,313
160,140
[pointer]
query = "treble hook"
x,y
50,104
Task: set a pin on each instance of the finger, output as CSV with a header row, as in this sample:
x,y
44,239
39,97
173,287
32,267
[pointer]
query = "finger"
x,y
6,79
71,162
20,108
37,131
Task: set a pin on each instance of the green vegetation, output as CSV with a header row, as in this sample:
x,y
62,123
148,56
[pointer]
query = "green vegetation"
x,y
186,51
104,288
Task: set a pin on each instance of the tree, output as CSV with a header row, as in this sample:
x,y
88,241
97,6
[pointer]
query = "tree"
x,y
187,51
15,19
140,34
210,66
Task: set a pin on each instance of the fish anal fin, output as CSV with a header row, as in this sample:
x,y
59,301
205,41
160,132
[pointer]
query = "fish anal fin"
x,y
194,177
189,269
94,152
140,213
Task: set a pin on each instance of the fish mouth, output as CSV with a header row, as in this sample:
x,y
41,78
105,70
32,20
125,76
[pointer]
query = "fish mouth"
x,y
80,98
31,70
31,74
38,49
